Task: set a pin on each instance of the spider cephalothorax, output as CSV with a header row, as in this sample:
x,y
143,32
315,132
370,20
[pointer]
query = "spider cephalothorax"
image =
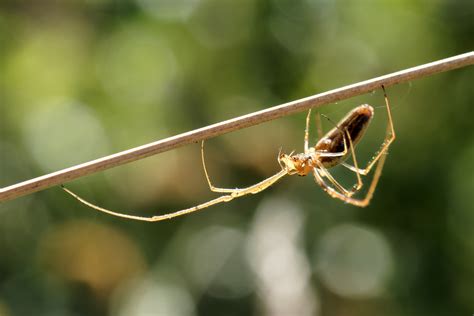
x,y
300,164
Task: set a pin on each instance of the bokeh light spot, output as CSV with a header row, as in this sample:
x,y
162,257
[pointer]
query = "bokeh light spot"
x,y
63,132
218,266
99,256
47,63
150,297
134,65
276,256
354,261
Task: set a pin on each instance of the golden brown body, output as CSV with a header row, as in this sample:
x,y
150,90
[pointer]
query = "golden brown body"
x,y
334,147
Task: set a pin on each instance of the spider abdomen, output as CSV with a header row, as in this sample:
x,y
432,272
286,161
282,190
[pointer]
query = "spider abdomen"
x,y
355,123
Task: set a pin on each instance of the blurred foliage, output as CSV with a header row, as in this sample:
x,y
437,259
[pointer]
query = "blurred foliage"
x,y
83,79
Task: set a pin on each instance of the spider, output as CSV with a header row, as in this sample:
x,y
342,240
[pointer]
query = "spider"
x,y
332,149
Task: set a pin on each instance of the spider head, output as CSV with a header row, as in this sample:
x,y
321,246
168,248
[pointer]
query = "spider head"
x,y
295,164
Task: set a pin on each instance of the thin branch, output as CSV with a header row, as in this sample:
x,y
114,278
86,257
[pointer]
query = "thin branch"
x,y
66,175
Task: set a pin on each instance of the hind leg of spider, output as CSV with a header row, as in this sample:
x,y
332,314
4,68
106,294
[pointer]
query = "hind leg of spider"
x,y
222,190
348,199
253,189
389,138
212,187
232,194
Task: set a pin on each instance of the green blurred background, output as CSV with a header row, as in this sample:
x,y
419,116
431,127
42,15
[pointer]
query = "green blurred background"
x,y
84,79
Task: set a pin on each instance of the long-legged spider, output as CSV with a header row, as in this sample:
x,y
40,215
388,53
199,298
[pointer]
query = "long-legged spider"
x,y
331,150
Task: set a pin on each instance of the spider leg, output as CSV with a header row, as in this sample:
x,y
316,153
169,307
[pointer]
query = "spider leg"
x,y
320,135
212,187
325,173
389,138
356,187
359,183
306,132
348,199
236,193
322,153
319,127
